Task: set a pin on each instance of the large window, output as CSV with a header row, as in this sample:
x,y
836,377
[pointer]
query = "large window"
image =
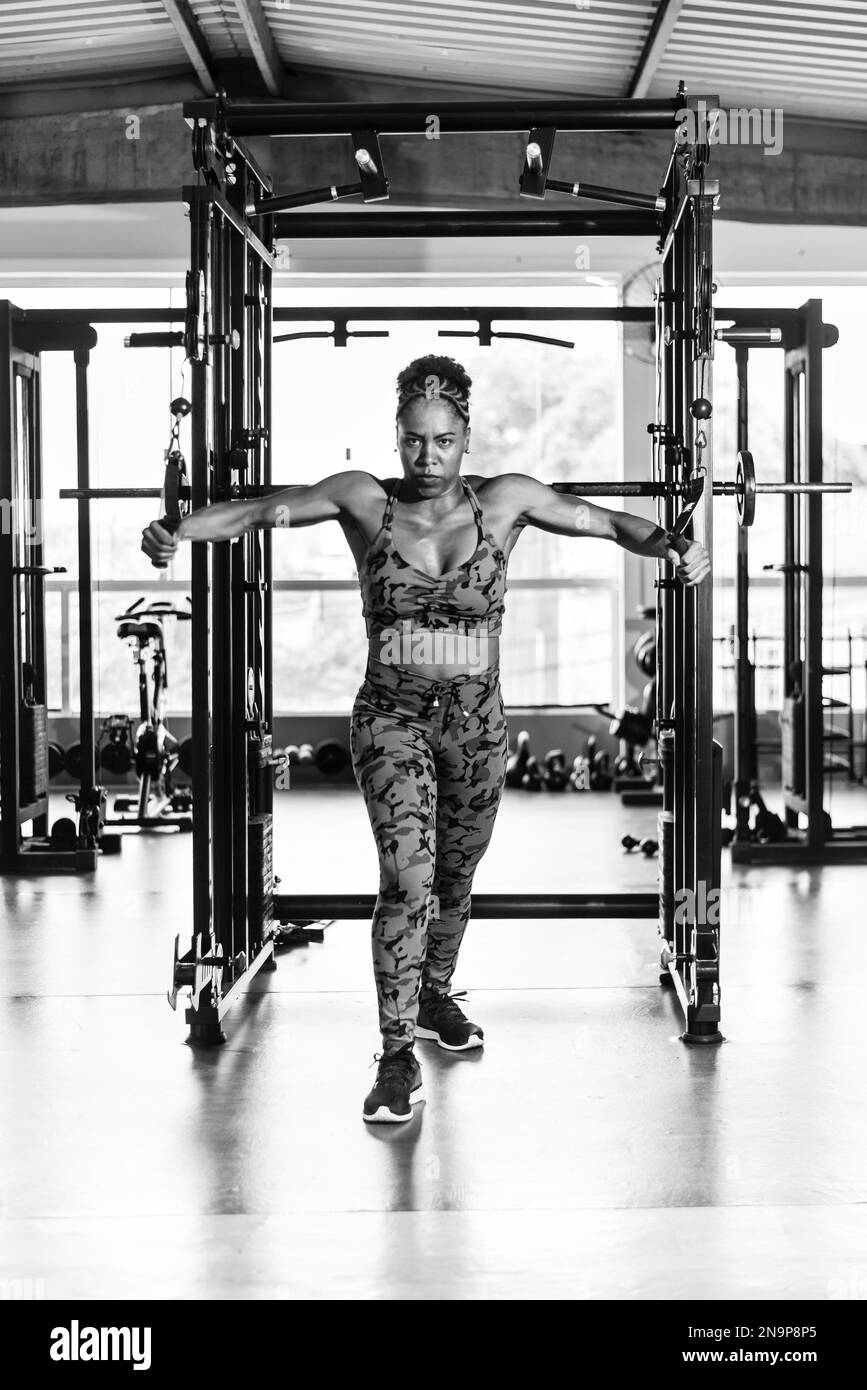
x,y
536,408
547,410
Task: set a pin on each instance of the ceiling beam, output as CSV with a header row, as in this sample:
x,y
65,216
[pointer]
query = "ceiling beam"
x,y
261,41
191,36
667,12
818,177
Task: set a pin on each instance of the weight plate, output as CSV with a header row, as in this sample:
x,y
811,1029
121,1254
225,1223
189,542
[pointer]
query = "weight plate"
x,y
175,486
745,485
194,323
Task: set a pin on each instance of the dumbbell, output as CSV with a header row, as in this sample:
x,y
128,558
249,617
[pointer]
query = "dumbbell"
x,y
64,834
516,765
647,846
644,653
579,777
532,780
599,764
330,757
115,756
632,725
55,760
72,761
555,774
185,756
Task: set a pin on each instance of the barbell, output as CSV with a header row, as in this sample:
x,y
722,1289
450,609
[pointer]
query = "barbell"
x,y
744,489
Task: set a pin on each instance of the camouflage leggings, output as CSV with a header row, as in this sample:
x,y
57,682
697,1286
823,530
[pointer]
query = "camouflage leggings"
x,y
429,758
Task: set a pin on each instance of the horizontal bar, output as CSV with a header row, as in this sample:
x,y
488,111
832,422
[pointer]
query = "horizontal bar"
x,y
580,489
653,201
607,489
93,493
259,207
54,584
532,222
300,907
587,489
453,117
748,337
152,340
315,313
729,489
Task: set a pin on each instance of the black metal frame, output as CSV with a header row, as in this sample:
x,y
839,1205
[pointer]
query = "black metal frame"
x,y
234,907
804,339
22,598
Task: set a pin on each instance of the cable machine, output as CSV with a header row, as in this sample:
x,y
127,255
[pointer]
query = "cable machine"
x,y
235,218
803,337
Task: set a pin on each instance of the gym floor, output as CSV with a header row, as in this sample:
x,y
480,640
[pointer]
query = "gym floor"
x,y
584,1153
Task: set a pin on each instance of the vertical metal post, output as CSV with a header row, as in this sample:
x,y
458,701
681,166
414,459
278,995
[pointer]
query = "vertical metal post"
x,y
703,1015
238,422
745,695
692,784
231,636
814,714
10,654
85,579
210,893
791,577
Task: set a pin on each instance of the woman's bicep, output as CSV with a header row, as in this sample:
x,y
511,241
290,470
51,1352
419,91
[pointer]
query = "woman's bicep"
x,y
563,514
308,504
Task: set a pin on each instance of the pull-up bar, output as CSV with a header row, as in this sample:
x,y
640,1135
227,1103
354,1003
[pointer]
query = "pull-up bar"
x,y
533,222
451,117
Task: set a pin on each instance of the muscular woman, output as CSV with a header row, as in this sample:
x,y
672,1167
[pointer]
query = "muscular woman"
x,y
428,731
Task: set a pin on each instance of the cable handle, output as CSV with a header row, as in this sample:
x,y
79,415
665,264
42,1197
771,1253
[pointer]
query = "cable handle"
x,y
677,542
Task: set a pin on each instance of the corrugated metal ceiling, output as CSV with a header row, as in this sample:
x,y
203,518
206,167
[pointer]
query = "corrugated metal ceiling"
x,y
526,47
94,41
808,58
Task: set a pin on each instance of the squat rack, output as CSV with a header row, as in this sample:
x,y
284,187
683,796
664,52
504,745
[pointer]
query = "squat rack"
x,y
235,217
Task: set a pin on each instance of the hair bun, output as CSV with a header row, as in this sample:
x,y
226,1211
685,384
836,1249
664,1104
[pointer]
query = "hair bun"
x,y
434,377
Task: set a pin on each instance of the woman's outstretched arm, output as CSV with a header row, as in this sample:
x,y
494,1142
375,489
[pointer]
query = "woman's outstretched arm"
x,y
325,500
536,504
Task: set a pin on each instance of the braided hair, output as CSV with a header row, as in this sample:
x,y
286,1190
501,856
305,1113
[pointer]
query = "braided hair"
x,y
435,378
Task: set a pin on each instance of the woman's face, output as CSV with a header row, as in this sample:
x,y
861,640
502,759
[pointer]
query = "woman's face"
x,y
431,440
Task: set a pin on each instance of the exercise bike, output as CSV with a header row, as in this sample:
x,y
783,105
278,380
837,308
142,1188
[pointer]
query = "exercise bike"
x,y
150,748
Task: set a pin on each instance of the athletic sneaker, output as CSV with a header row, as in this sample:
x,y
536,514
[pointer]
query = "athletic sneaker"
x,y
398,1087
440,1018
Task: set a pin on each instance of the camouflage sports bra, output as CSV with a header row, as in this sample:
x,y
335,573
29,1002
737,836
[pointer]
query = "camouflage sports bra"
x,y
463,599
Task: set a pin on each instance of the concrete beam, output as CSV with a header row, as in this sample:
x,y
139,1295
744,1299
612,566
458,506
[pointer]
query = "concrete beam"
x,y
107,157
